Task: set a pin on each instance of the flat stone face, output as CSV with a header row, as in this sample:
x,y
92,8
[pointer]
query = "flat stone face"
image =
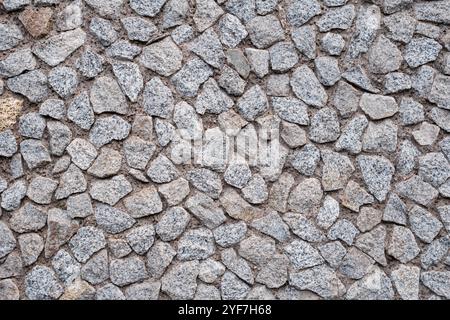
x,y
224,150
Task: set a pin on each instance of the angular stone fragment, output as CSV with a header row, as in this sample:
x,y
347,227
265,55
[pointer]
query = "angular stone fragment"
x,y
110,191
406,281
108,163
303,227
437,281
265,31
112,220
126,271
37,21
32,84
377,106
180,281
421,50
384,56
380,137
417,190
307,88
227,235
377,173
108,129
41,284
324,126
188,80
365,289
163,57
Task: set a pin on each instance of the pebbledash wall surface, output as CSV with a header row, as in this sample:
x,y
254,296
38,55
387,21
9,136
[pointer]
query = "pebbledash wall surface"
x,y
240,149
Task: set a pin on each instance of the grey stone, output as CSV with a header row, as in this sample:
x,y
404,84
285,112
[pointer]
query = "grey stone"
x,y
11,36
86,242
324,126
406,281
265,31
147,290
272,225
343,230
299,12
384,56
439,91
302,255
71,17
89,64
141,238
123,50
377,173
212,99
406,159
66,267
63,80
377,106
109,292
60,229
437,281
158,99
358,76
57,48
229,234
434,12
372,243
79,206
367,23
205,210
127,271
7,240
80,111
31,125
337,18
307,88
422,80
401,26
435,252
188,80
112,220
145,8
421,50
237,265
306,159
106,96
410,111
243,9
434,168
108,9
321,280
180,281
172,224
303,227
327,69
8,144
397,81
110,191
34,153
402,244
380,137
283,56
17,62
332,43
424,225
336,171
395,210
28,218
305,40
175,12
354,196
355,264
417,190
163,57
333,252
328,213
108,129
60,137
41,189
210,270
231,31
139,29
108,163
196,244
206,14
162,170
232,287
41,284
82,152
96,270
365,289
31,246
441,117
182,34
32,84
350,138
159,258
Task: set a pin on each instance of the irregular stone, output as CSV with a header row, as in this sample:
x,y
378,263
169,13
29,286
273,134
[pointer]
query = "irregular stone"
x,y
163,57
112,220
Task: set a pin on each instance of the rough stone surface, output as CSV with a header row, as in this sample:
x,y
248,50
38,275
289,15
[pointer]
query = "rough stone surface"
x,y
224,149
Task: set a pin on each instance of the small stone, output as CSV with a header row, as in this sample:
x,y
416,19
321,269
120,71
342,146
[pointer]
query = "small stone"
x,y
359,78
265,31
106,96
336,171
337,18
123,49
41,189
63,80
147,290
188,80
402,245
130,80
180,281
66,267
321,280
41,284
302,255
395,210
227,235
421,50
172,224
8,144
159,258
141,238
283,56
397,81
32,84
231,31
406,281
80,111
332,44
144,8
343,230
417,190
108,129
89,64
56,49
237,265
364,289
9,290
82,152
31,125
212,99
210,270
110,191
434,168
196,244
205,210
79,206
305,40
7,240
163,57
307,88
441,117
439,91
298,12
380,137
437,281
435,252
108,163
355,264
303,227
384,56
127,271
31,246
109,292
175,13
350,139
206,14
112,220
324,126
34,153
17,62
333,252
377,173
327,69
328,213
411,112
306,196
96,270
377,106
60,137
424,225
139,29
